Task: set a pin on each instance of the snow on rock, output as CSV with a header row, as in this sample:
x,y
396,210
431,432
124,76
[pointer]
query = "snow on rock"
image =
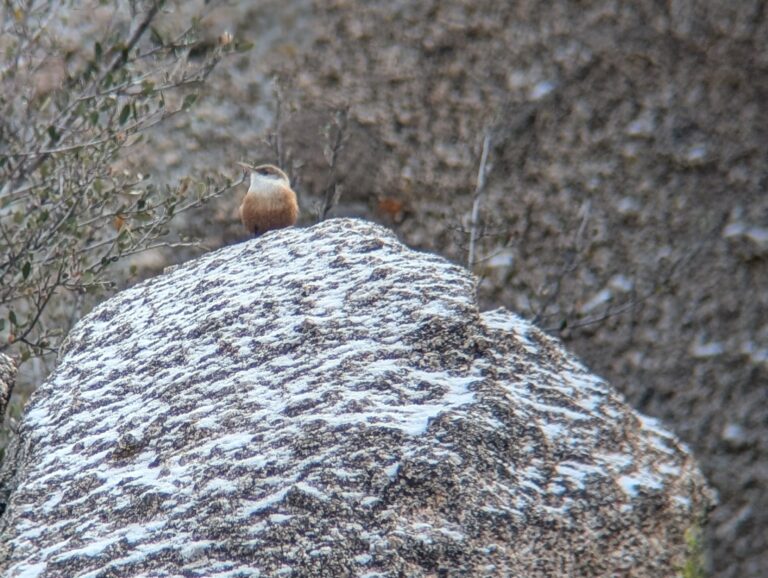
x,y
7,381
327,402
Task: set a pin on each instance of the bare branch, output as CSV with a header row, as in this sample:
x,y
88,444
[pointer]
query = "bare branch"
x,y
336,137
65,214
479,188
122,57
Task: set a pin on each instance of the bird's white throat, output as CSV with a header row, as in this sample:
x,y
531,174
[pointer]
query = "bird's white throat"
x,y
266,184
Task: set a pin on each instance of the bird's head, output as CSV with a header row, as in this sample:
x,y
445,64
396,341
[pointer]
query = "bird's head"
x,y
265,176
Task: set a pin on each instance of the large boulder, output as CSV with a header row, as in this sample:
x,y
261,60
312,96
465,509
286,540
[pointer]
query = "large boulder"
x,y
327,402
7,381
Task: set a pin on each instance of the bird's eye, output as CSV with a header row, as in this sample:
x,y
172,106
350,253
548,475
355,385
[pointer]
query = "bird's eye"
x,y
265,172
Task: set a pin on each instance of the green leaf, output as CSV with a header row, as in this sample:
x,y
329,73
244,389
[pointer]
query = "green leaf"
x,y
25,269
12,317
243,46
124,114
156,36
53,134
97,51
2,324
189,100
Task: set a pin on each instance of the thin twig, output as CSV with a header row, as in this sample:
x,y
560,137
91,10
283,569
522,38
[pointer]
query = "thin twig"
x,y
570,264
135,128
122,57
277,135
479,187
119,61
332,152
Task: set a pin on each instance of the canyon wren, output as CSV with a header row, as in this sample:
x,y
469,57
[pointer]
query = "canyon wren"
x,y
270,203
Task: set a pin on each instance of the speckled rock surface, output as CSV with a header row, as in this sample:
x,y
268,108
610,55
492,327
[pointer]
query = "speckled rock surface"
x,y
327,402
7,380
8,464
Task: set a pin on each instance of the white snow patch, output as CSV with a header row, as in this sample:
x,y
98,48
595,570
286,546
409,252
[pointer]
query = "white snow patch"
x,y
93,549
542,89
627,206
631,485
600,298
758,235
218,485
696,153
668,469
615,462
643,126
755,353
502,260
702,350
452,534
312,491
621,283
577,473
251,507
31,571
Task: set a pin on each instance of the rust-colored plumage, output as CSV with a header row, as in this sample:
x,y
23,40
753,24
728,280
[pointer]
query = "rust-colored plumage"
x,y
270,203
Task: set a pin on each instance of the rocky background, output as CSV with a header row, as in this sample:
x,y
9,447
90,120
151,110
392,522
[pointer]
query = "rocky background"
x,y
625,209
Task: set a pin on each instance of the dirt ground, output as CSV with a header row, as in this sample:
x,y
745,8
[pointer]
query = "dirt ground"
x,y
626,204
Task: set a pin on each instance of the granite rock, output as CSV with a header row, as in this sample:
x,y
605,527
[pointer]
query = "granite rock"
x,y
327,402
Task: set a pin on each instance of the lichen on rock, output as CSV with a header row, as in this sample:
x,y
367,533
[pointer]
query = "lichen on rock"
x,y
327,402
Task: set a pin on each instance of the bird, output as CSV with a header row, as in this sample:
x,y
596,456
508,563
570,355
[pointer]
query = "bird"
x,y
270,202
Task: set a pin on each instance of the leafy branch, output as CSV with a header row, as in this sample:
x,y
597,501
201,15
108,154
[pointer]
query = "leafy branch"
x,y
67,214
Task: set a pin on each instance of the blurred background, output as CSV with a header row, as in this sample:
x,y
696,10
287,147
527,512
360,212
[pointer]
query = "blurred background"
x,y
625,202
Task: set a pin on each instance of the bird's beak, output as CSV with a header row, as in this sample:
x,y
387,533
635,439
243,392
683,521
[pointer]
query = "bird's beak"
x,y
245,165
